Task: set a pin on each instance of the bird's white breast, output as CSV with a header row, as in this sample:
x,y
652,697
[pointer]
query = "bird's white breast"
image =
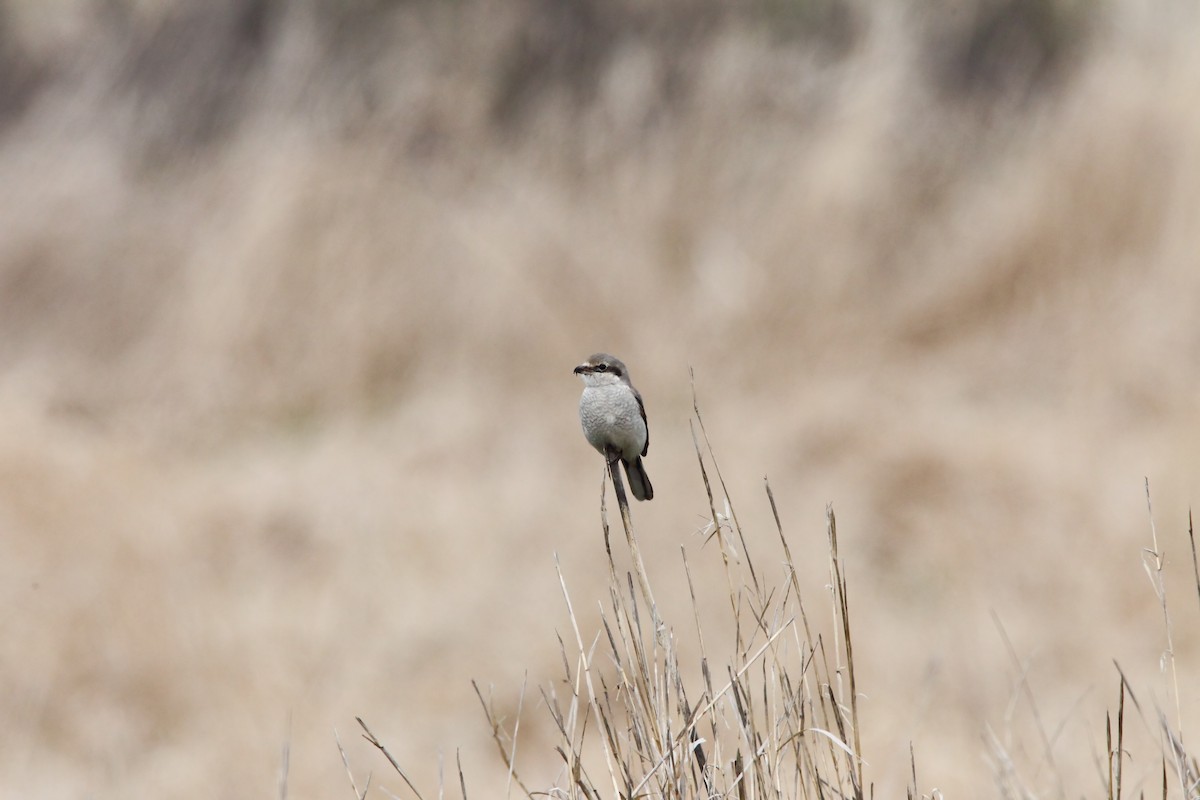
x,y
610,415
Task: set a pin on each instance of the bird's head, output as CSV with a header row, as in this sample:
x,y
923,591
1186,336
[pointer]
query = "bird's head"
x,y
602,369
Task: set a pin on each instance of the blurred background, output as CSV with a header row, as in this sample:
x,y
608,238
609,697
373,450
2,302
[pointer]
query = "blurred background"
x,y
290,296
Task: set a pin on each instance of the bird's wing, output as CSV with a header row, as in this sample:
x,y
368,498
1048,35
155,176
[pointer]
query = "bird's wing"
x,y
642,408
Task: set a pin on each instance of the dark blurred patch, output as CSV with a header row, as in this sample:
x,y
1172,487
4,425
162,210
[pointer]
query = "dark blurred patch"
x,y
191,74
835,25
20,75
562,43
565,46
1007,49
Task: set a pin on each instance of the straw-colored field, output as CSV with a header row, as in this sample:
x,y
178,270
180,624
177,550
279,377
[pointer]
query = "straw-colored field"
x,y
290,296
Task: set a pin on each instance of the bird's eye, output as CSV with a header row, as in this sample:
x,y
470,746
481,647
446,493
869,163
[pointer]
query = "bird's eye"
x,y
602,368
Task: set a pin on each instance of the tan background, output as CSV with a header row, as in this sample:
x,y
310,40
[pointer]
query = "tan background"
x,y
290,294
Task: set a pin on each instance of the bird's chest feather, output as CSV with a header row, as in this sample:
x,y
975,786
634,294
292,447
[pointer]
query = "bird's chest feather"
x,y
612,409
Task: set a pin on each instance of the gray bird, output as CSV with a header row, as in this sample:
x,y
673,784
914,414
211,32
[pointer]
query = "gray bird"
x,y
612,415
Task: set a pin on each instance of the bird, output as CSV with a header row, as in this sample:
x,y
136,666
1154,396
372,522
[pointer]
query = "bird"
x,y
613,415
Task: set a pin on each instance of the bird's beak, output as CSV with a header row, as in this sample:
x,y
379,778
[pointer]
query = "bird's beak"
x,y
582,368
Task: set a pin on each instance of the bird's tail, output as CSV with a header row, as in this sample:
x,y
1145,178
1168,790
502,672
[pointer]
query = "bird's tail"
x,y
639,481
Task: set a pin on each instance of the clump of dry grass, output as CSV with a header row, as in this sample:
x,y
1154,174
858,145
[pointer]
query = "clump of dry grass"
x,y
776,717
